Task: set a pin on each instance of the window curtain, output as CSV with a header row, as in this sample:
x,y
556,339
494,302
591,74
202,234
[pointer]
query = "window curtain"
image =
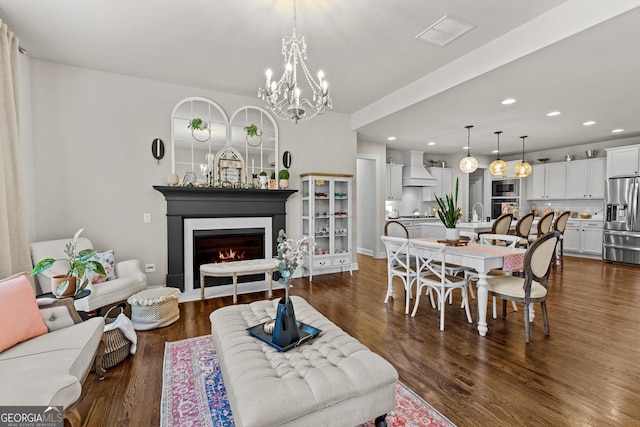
x,y
14,236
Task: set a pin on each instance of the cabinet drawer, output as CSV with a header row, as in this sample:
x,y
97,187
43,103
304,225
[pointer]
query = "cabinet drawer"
x,y
321,262
343,260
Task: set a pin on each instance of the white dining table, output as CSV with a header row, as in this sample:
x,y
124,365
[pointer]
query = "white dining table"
x,y
483,258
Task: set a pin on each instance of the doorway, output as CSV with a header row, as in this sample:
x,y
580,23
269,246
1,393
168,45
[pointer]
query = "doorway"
x,y
367,207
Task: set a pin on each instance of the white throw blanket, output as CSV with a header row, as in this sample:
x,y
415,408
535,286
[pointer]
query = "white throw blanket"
x,y
123,323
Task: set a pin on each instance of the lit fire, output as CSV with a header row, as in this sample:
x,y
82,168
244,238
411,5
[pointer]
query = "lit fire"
x,y
231,255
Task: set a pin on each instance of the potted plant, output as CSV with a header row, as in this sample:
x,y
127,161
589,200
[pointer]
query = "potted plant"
x,y
75,280
283,176
449,214
273,182
263,180
254,135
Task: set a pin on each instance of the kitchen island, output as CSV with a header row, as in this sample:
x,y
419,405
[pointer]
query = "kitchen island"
x,y
434,228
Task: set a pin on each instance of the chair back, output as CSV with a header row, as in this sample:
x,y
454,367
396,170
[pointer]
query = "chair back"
x,y
472,236
398,256
523,226
502,224
537,261
430,257
508,240
396,229
561,222
544,225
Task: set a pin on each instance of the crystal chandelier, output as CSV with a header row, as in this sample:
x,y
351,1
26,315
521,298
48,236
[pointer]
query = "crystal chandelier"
x,y
283,97
498,166
469,163
523,169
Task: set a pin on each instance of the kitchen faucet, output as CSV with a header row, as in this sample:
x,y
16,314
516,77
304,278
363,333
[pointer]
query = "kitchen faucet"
x,y
473,209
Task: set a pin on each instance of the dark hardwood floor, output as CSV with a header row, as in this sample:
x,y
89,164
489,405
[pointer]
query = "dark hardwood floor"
x,y
586,373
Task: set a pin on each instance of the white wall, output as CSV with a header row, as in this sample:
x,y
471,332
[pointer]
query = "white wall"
x,y
92,163
377,151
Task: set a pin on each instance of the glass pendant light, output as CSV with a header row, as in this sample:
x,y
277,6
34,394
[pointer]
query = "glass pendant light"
x,y
469,163
523,169
498,166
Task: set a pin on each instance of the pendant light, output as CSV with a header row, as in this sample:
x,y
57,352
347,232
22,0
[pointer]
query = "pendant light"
x,y
498,166
469,163
523,169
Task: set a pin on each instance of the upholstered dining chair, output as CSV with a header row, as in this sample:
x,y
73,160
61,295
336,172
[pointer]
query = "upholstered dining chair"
x,y
560,225
396,229
523,229
543,227
399,265
533,287
501,225
435,279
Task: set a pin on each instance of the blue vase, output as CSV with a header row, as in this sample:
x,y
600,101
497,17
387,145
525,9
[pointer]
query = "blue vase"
x,y
285,331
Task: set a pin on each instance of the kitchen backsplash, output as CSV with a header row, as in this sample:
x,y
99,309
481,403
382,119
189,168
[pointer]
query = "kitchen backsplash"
x,y
411,200
593,207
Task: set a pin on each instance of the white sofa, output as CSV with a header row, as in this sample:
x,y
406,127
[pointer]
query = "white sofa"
x,y
129,276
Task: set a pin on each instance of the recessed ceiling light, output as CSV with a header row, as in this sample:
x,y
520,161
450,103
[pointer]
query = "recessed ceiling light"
x,y
431,143
508,101
465,148
589,123
617,130
553,113
391,138
495,152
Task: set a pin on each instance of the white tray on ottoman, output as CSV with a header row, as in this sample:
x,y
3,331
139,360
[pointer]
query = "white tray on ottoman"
x,y
333,380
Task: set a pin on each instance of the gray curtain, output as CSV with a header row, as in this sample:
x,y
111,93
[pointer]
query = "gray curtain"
x,y
14,236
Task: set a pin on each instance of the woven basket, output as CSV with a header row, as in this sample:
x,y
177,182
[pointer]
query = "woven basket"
x,y
154,308
117,346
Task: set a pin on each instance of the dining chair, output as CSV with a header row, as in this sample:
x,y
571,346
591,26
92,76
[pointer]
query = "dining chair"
x,y
543,227
396,229
435,279
456,269
523,229
505,240
501,225
559,225
399,265
532,287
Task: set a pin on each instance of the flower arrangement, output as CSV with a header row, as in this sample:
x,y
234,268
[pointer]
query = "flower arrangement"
x,y
290,254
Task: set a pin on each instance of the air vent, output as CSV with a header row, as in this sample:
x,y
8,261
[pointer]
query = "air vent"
x,y
445,31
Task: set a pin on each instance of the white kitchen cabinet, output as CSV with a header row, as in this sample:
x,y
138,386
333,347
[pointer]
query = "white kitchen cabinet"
x,y
326,215
443,177
394,182
623,161
547,182
586,179
583,237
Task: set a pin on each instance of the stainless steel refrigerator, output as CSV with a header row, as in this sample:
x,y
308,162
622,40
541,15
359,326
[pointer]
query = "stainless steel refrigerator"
x,y
621,235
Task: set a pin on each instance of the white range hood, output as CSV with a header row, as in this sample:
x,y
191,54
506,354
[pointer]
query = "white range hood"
x,y
414,174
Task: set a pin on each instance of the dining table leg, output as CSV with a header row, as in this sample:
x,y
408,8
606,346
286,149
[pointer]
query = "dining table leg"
x,y
483,297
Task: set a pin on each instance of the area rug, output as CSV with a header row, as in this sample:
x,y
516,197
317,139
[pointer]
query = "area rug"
x,y
193,392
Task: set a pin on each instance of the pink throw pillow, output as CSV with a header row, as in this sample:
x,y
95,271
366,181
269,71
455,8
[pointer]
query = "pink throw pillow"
x,y
19,314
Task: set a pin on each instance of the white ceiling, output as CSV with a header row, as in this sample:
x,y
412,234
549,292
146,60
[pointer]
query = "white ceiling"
x,y
581,57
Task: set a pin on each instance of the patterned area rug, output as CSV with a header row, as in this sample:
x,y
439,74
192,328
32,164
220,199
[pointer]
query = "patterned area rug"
x,y
193,392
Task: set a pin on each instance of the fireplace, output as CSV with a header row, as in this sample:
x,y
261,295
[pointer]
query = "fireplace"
x,y
192,212
231,239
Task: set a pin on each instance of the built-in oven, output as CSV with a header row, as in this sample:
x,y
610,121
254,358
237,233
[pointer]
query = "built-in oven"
x,y
503,205
505,188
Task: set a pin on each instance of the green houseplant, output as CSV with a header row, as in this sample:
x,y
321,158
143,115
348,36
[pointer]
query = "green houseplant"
x,y
449,212
264,179
283,176
75,280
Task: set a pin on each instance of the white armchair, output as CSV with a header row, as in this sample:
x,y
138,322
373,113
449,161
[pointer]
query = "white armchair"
x,y
129,276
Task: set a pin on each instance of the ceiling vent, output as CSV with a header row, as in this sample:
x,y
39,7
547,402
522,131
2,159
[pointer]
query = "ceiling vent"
x,y
445,31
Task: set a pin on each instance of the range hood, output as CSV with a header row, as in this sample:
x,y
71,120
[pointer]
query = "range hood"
x,y
414,174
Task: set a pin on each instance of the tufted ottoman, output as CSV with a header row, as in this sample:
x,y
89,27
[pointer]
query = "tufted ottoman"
x,y
331,381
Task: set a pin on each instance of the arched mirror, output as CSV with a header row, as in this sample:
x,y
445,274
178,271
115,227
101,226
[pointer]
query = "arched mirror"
x,y
198,132
254,133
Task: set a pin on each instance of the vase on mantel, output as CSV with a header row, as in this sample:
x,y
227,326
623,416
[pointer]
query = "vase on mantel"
x,y
452,234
